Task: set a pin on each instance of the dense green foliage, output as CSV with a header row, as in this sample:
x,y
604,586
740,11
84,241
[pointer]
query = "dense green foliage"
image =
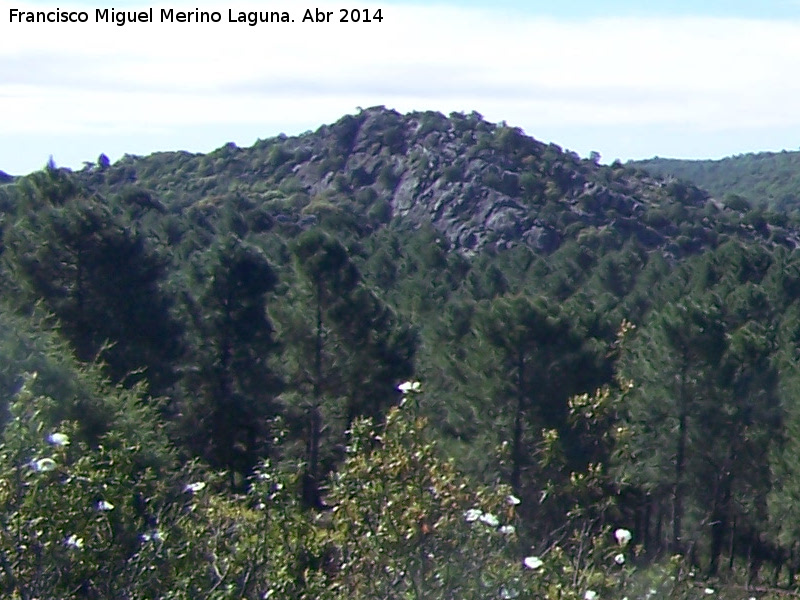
x,y
770,179
220,339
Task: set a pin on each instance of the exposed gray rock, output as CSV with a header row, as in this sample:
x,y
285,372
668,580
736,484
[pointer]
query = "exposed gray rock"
x,y
476,182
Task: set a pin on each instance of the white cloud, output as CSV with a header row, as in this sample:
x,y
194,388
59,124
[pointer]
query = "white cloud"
x,y
708,74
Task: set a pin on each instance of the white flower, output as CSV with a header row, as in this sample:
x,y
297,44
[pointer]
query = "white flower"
x,y
43,465
532,562
472,515
590,595
619,558
708,591
410,386
623,536
507,529
74,541
489,519
58,439
195,487
104,505
153,536
512,500
508,593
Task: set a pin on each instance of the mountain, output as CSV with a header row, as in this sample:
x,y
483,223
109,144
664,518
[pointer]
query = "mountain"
x,y
480,184
617,346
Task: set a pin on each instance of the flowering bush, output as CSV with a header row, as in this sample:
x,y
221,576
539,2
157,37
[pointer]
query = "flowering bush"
x,y
406,524
123,519
100,521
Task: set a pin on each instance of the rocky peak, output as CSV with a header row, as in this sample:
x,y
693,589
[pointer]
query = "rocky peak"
x,y
480,184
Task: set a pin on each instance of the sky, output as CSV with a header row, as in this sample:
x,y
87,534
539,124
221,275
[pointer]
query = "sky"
x,y
629,80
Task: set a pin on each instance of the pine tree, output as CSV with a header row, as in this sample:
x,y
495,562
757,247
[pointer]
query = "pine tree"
x,y
105,285
233,396
538,363
673,364
352,355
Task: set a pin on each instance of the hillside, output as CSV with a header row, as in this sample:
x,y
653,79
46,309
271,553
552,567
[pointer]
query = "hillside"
x,y
477,182
770,179
348,363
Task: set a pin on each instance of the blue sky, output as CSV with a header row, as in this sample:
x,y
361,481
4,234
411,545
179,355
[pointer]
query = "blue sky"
x,y
582,9
625,79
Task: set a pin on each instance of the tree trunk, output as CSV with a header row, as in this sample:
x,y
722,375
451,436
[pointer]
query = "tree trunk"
x,y
719,523
658,534
644,522
517,454
680,465
224,419
311,479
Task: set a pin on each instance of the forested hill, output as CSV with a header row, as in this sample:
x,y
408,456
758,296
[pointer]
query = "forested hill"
x,y
200,358
769,179
477,182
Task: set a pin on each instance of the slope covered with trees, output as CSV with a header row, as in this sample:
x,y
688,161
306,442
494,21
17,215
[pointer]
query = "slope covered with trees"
x,y
770,179
220,339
